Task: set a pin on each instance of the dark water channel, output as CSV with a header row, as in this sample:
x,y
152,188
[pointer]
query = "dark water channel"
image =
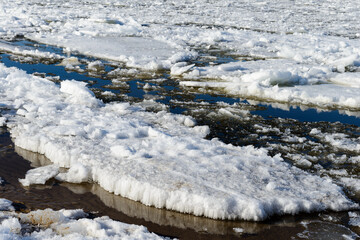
x,y
232,120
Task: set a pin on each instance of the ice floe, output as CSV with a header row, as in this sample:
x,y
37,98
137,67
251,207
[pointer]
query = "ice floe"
x,y
64,224
27,51
159,159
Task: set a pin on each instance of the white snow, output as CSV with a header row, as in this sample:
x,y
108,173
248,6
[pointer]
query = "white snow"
x,y
309,53
159,159
78,173
280,80
354,219
287,52
338,140
5,205
65,224
26,51
2,121
39,175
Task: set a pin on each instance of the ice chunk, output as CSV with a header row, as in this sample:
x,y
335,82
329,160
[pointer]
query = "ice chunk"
x,y
354,219
68,224
95,66
10,226
180,68
2,121
39,175
6,205
78,93
78,173
73,61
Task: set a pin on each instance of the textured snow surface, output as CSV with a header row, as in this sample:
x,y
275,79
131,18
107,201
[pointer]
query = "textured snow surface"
x,y
65,224
284,51
159,159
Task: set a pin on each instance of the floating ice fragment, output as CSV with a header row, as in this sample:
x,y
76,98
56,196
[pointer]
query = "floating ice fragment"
x,y
72,61
95,66
39,175
180,68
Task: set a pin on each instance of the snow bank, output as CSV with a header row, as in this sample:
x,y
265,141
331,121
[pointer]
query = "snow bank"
x,y
155,158
65,224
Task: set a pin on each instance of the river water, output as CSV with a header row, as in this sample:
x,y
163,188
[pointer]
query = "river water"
x,y
241,122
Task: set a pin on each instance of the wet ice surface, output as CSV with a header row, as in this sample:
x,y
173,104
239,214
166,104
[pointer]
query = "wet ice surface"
x,y
208,64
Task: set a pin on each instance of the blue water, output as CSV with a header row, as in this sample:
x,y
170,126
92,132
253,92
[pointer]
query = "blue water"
x,y
267,111
309,115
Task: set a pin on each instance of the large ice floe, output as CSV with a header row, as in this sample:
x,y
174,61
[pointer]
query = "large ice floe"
x,y
64,224
160,159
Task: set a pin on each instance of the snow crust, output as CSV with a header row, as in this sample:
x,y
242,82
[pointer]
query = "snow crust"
x,y
65,224
159,159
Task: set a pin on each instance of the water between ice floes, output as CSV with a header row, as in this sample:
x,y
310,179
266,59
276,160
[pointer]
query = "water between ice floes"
x,y
133,89
319,141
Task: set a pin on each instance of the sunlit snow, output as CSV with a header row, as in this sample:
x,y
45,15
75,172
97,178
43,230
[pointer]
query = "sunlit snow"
x,y
287,53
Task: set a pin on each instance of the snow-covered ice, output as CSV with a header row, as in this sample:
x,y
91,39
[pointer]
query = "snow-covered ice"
x,y
313,52
278,53
309,53
64,224
159,159
27,51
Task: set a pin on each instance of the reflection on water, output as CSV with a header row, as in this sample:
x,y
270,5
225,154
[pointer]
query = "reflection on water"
x,y
325,230
306,114
169,218
35,159
161,217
